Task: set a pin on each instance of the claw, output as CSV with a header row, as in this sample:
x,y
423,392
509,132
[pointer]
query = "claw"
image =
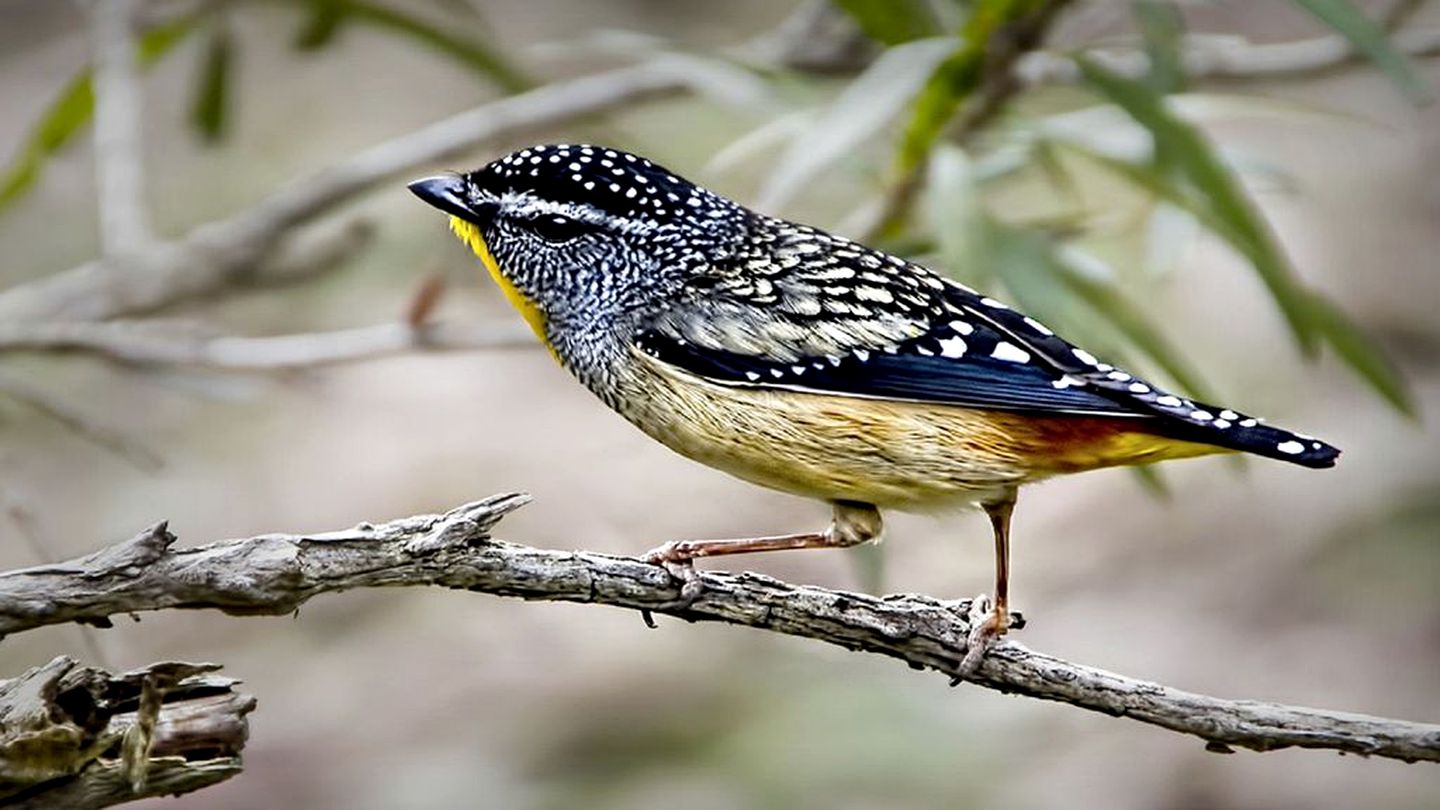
x,y
988,623
674,557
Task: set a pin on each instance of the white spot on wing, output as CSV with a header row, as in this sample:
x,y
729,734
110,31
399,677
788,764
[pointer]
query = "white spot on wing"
x,y
1005,350
953,347
1290,448
1038,327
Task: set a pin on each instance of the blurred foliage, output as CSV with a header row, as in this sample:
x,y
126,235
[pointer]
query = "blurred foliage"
x,y
1175,164
941,70
321,20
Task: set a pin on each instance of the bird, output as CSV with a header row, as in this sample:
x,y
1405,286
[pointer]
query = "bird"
x,y
805,362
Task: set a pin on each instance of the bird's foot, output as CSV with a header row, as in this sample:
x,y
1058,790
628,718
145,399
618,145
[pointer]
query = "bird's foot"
x,y
988,622
676,557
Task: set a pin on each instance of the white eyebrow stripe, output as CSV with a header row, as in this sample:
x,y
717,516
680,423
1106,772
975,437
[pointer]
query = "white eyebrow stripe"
x,y
527,205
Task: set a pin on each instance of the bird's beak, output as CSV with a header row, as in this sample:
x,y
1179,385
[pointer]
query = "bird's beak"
x,y
446,192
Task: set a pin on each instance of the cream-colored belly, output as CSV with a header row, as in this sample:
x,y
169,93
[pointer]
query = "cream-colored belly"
x,y
891,454
904,455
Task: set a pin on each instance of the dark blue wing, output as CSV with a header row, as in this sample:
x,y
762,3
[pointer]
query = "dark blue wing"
x,y
978,369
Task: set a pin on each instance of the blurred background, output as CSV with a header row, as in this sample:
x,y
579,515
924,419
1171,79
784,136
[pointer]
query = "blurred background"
x,y
1204,213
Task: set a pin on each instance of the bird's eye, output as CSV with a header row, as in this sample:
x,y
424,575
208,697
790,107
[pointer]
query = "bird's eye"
x,y
557,229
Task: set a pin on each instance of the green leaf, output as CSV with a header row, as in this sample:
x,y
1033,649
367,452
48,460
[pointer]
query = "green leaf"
x,y
465,50
210,106
1367,37
955,216
1152,480
957,78
861,110
71,110
1162,28
1362,354
1137,327
320,26
1219,197
892,22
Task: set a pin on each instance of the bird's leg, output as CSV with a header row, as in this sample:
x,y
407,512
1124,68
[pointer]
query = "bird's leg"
x,y
990,619
853,523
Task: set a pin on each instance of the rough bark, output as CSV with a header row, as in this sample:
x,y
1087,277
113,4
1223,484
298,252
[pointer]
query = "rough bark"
x,y
80,737
275,573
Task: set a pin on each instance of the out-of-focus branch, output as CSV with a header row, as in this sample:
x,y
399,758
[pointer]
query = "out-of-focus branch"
x,y
119,148
1205,56
275,573
81,424
247,245
80,737
159,343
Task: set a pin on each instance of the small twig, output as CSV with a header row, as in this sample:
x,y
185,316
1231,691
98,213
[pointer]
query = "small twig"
x,y
81,424
1222,57
273,574
156,343
219,254
119,148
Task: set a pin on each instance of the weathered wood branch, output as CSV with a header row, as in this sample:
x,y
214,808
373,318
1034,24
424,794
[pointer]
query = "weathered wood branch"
x,y
252,243
80,737
275,573
152,342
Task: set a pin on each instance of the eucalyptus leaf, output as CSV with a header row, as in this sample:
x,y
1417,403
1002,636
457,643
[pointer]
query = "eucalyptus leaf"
x,y
474,55
1230,211
72,109
1367,37
1363,355
1162,28
209,111
861,110
892,22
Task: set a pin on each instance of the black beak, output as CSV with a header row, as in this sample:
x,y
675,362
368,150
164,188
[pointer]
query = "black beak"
x,y
446,192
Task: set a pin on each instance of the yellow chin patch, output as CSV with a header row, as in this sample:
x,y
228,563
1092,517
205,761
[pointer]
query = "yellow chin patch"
x,y
470,235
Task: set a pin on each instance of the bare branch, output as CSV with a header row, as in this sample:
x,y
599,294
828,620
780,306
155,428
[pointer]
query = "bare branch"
x,y
119,148
158,343
275,573
64,731
1227,57
222,253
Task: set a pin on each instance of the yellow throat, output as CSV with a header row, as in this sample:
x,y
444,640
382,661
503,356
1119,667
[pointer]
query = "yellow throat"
x,y
469,233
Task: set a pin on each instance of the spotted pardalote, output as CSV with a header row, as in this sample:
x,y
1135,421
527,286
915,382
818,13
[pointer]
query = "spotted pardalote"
x,y
806,362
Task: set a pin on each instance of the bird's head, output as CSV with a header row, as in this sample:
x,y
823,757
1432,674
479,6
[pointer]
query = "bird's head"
x,y
575,234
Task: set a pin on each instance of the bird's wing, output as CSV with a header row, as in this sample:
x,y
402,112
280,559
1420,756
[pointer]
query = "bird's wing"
x,y
807,311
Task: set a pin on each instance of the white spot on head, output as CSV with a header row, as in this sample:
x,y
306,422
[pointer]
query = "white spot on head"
x,y
953,347
1290,447
1005,350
